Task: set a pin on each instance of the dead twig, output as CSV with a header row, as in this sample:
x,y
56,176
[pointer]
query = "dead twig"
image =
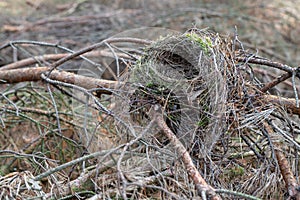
x,y
262,61
42,58
278,80
97,45
104,154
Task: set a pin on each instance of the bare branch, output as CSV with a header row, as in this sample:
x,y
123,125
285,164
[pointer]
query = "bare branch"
x,y
289,103
192,171
262,61
36,59
278,80
34,74
287,174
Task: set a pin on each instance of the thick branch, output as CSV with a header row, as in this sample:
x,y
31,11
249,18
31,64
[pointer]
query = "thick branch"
x,y
192,171
288,103
34,74
287,174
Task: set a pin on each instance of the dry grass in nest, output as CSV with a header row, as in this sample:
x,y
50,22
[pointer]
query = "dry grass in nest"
x,y
214,106
182,73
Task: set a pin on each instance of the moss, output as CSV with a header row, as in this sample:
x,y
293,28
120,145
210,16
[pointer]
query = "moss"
x,y
235,171
88,185
203,122
205,43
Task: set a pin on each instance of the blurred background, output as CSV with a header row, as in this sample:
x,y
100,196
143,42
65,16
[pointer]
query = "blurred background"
x,y
268,27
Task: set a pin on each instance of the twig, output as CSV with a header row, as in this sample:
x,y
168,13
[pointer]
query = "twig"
x,y
276,81
286,136
246,196
289,103
55,82
97,45
294,88
24,155
78,160
38,43
55,108
39,111
12,43
84,177
261,61
120,173
36,59
265,72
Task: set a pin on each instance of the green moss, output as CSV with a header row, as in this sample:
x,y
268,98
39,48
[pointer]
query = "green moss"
x,y
205,43
203,122
235,171
150,85
88,185
4,169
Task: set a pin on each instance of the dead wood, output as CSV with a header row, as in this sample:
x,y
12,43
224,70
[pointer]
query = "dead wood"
x,y
53,57
285,168
201,185
34,74
288,103
203,102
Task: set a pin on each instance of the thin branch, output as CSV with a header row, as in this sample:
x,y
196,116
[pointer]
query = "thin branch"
x,y
76,161
266,72
23,155
84,177
262,61
295,89
97,45
287,174
246,196
275,82
55,108
42,58
87,93
289,103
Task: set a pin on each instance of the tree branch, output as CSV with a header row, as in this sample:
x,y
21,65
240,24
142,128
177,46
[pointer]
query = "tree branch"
x,y
288,103
34,74
41,58
201,185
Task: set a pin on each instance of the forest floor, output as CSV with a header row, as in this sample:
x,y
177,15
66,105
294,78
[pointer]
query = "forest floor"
x,y
266,28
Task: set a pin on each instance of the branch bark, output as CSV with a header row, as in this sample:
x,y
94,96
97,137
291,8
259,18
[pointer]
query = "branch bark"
x,y
34,74
30,61
285,169
201,185
288,103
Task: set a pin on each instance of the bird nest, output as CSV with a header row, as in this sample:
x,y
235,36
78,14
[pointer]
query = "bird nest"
x,y
186,75
213,104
